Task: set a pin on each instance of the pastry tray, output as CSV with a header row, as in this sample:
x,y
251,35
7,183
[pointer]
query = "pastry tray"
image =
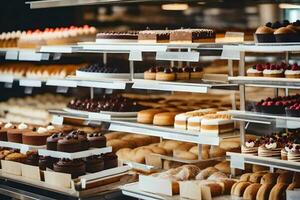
x,y
80,154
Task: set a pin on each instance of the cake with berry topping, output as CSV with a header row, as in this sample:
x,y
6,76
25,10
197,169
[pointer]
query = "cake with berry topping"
x,y
250,147
274,106
294,153
293,111
270,148
293,71
150,74
273,71
256,70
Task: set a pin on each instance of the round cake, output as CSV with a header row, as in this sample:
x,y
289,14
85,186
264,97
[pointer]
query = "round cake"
x,y
94,164
69,144
74,167
96,140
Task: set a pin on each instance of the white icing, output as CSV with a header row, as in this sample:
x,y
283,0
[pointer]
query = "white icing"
x,y
22,126
253,71
216,121
271,145
181,117
41,130
8,125
287,149
275,71
250,144
291,72
50,128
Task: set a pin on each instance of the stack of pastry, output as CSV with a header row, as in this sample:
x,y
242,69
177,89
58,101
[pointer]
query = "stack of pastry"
x,y
217,123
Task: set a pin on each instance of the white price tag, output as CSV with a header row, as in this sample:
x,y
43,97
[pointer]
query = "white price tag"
x,y
8,85
99,116
6,78
237,162
28,55
178,56
30,83
57,120
230,53
62,89
135,55
28,90
12,55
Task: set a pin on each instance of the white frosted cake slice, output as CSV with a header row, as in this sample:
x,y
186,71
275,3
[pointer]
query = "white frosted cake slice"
x,y
217,123
194,123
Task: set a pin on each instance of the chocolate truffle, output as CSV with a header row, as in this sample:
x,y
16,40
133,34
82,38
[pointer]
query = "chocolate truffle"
x,y
110,160
96,140
74,167
94,164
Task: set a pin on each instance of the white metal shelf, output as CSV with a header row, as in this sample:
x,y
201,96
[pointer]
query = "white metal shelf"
x,y
281,121
24,54
241,159
198,87
291,83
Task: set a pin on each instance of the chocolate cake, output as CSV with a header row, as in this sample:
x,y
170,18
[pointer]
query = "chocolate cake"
x,y
96,140
192,35
110,160
69,144
35,138
3,134
154,36
94,164
51,141
82,137
74,167
118,36
46,162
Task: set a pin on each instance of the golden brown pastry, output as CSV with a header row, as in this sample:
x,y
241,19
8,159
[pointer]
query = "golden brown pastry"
x,y
146,116
240,188
245,177
256,177
217,176
226,184
186,155
16,157
258,168
278,192
164,118
269,178
223,167
204,174
251,191
264,191
286,177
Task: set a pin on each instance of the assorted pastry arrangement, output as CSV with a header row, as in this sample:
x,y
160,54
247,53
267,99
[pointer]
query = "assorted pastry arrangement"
x,y
48,36
37,70
196,35
107,102
33,109
284,146
173,73
281,105
278,32
275,70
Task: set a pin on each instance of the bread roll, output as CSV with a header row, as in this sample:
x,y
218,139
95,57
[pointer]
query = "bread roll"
x,y
185,146
217,176
233,188
204,174
164,118
117,144
264,191
146,116
269,178
229,145
158,150
216,151
251,191
114,135
293,186
256,177
278,192
187,172
214,190
240,188
223,167
245,177
186,155
286,178
124,154
227,185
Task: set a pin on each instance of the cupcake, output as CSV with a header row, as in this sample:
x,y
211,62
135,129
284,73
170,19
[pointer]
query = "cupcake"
x,y
265,34
250,147
196,73
270,148
256,70
285,34
292,71
183,73
273,71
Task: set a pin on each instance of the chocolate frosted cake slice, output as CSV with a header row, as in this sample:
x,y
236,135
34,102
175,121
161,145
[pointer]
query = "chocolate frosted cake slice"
x,y
129,36
154,36
192,35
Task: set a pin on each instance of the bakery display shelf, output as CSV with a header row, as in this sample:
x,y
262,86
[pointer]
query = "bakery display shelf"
x,y
133,190
75,155
64,192
238,160
205,162
280,121
59,49
291,83
188,86
24,54
168,132
264,48
22,147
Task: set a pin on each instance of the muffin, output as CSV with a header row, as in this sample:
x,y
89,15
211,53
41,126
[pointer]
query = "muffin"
x,y
285,34
94,164
74,167
265,34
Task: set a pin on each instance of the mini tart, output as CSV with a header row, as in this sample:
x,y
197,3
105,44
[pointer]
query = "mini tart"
x,y
162,76
265,34
150,74
285,34
196,73
292,73
254,72
182,74
273,73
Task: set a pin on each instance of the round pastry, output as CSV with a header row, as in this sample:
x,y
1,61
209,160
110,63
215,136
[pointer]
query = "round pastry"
x,y
47,162
166,75
146,116
150,74
4,153
38,138
69,144
114,135
258,168
251,191
183,73
164,118
278,192
110,160
285,34
216,152
256,177
96,140
196,73
286,177
265,34
16,157
74,167
256,70
240,188
269,178
264,191
15,135
51,141
94,164
245,177
293,71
